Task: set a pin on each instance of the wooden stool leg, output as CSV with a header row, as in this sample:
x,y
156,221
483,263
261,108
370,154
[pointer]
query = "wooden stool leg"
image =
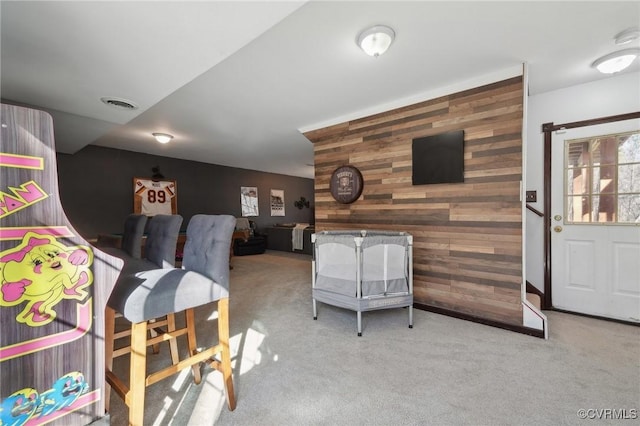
x,y
225,358
137,373
191,341
109,329
173,344
152,334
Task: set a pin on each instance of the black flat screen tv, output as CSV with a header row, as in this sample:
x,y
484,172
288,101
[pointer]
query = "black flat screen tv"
x,y
438,158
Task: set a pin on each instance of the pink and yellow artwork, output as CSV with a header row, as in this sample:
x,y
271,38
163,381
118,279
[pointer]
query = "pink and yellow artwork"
x,y
42,271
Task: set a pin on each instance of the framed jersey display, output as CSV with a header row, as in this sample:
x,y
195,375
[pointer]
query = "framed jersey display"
x,y
152,196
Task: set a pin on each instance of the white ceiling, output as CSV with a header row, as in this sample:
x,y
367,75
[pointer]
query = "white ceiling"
x,y
237,82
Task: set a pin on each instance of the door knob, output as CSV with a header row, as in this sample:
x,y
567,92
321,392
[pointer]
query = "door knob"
x,y
557,217
557,228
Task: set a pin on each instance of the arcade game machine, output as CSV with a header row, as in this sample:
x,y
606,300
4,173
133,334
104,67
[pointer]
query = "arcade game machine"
x,y
53,288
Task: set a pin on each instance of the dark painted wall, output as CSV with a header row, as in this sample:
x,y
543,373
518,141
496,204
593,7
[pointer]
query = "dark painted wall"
x,y
96,189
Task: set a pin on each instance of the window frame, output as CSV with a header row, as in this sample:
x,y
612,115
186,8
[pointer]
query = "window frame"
x,y
590,193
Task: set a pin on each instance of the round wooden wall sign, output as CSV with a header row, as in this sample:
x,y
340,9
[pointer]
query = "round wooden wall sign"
x,y
346,184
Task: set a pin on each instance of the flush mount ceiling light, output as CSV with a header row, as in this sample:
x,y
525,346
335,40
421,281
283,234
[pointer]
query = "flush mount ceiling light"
x,y
162,137
616,61
376,40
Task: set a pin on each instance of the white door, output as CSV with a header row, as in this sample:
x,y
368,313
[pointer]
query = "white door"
x,y
595,220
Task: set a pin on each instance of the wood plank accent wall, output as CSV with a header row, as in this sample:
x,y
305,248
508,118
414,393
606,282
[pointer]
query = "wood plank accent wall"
x,y
467,236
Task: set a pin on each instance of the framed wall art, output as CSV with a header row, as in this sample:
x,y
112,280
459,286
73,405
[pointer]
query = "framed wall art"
x,y
249,200
277,202
152,196
346,184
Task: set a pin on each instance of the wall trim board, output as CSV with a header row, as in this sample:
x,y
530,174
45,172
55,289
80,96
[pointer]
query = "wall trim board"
x,y
455,314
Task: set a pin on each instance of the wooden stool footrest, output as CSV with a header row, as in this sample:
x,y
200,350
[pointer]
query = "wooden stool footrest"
x,y
150,326
117,385
165,336
185,363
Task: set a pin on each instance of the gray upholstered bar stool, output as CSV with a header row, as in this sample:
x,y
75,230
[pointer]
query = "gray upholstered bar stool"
x,y
160,245
131,242
162,238
134,226
149,294
159,250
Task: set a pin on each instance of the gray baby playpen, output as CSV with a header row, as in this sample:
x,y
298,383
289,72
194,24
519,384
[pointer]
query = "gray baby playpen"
x,y
363,271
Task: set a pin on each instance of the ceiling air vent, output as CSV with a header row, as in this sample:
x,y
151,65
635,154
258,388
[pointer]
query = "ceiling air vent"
x,y
119,103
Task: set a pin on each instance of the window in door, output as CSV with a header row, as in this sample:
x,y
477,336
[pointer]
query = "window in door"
x,y
603,179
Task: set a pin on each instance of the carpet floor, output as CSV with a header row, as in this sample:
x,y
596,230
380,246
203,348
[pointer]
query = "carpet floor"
x,y
292,370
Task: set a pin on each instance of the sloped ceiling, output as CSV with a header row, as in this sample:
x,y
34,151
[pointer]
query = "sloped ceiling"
x,y
237,82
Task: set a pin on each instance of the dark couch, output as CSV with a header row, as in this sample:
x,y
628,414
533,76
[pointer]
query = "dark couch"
x,y
251,242
256,244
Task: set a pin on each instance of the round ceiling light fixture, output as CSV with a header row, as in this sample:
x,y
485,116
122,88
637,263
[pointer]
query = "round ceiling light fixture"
x,y
119,103
162,137
616,61
376,40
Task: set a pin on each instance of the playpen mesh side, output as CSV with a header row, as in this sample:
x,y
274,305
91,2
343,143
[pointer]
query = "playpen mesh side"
x,y
383,268
384,265
335,257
